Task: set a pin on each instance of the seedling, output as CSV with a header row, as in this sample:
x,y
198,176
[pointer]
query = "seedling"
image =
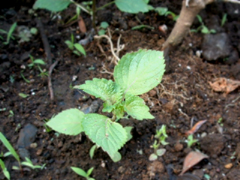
x,y
190,140
202,27
11,151
161,136
22,95
142,26
29,163
103,28
83,173
224,19
9,33
163,11
220,121
75,47
35,62
135,74
4,169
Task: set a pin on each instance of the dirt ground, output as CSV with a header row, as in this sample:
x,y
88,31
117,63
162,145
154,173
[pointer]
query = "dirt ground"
x,y
182,99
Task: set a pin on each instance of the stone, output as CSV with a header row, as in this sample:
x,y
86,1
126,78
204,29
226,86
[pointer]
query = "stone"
x,y
216,46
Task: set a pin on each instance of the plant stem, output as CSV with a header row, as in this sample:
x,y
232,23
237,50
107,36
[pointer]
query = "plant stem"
x,y
82,7
105,5
94,15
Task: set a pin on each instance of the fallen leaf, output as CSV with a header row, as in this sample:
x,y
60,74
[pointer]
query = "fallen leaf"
x,y
195,127
192,159
82,25
224,85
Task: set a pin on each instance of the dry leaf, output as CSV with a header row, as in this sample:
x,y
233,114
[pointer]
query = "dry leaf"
x,y
82,25
195,127
224,85
192,159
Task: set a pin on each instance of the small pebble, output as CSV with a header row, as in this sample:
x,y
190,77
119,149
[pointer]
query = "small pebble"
x,y
228,166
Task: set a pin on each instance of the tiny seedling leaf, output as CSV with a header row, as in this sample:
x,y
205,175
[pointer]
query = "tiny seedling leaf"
x,y
135,107
4,169
92,150
52,5
153,157
69,44
104,25
101,32
140,71
80,48
67,122
161,151
89,172
9,147
23,95
79,171
110,136
11,30
39,61
133,6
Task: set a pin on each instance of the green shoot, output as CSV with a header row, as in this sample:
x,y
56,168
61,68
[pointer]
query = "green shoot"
x,y
103,26
35,62
23,95
9,33
190,140
10,148
202,27
92,150
224,19
25,79
83,173
29,163
4,169
161,135
76,48
142,26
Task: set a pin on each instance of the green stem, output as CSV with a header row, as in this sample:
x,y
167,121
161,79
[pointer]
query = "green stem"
x,y
82,7
105,5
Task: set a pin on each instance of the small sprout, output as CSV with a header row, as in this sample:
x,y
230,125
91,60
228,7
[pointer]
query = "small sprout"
x,y
76,48
103,26
202,27
220,121
224,19
83,173
142,26
190,140
29,163
92,150
161,135
22,95
33,30
4,169
11,113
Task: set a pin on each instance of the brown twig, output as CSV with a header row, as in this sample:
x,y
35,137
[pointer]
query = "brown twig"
x,y
50,79
44,40
49,57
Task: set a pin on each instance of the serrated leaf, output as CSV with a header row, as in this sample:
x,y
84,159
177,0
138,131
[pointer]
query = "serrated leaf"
x,y
52,5
110,136
139,72
135,107
67,122
133,6
104,89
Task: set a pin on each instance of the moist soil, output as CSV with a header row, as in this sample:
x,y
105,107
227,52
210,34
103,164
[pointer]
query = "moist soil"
x,y
183,98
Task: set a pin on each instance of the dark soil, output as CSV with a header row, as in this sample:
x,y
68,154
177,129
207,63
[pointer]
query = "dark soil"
x,y
183,98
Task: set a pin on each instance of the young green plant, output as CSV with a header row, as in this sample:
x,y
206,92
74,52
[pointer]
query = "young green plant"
x,y
75,47
190,140
161,136
135,74
204,29
83,173
9,33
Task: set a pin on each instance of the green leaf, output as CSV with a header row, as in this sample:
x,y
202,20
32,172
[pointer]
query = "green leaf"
x,y
80,48
118,111
128,130
116,157
79,171
153,157
4,169
52,5
69,44
135,107
101,32
11,30
110,136
104,89
161,10
9,147
39,61
89,172
139,72
67,122
92,150
133,6
104,25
